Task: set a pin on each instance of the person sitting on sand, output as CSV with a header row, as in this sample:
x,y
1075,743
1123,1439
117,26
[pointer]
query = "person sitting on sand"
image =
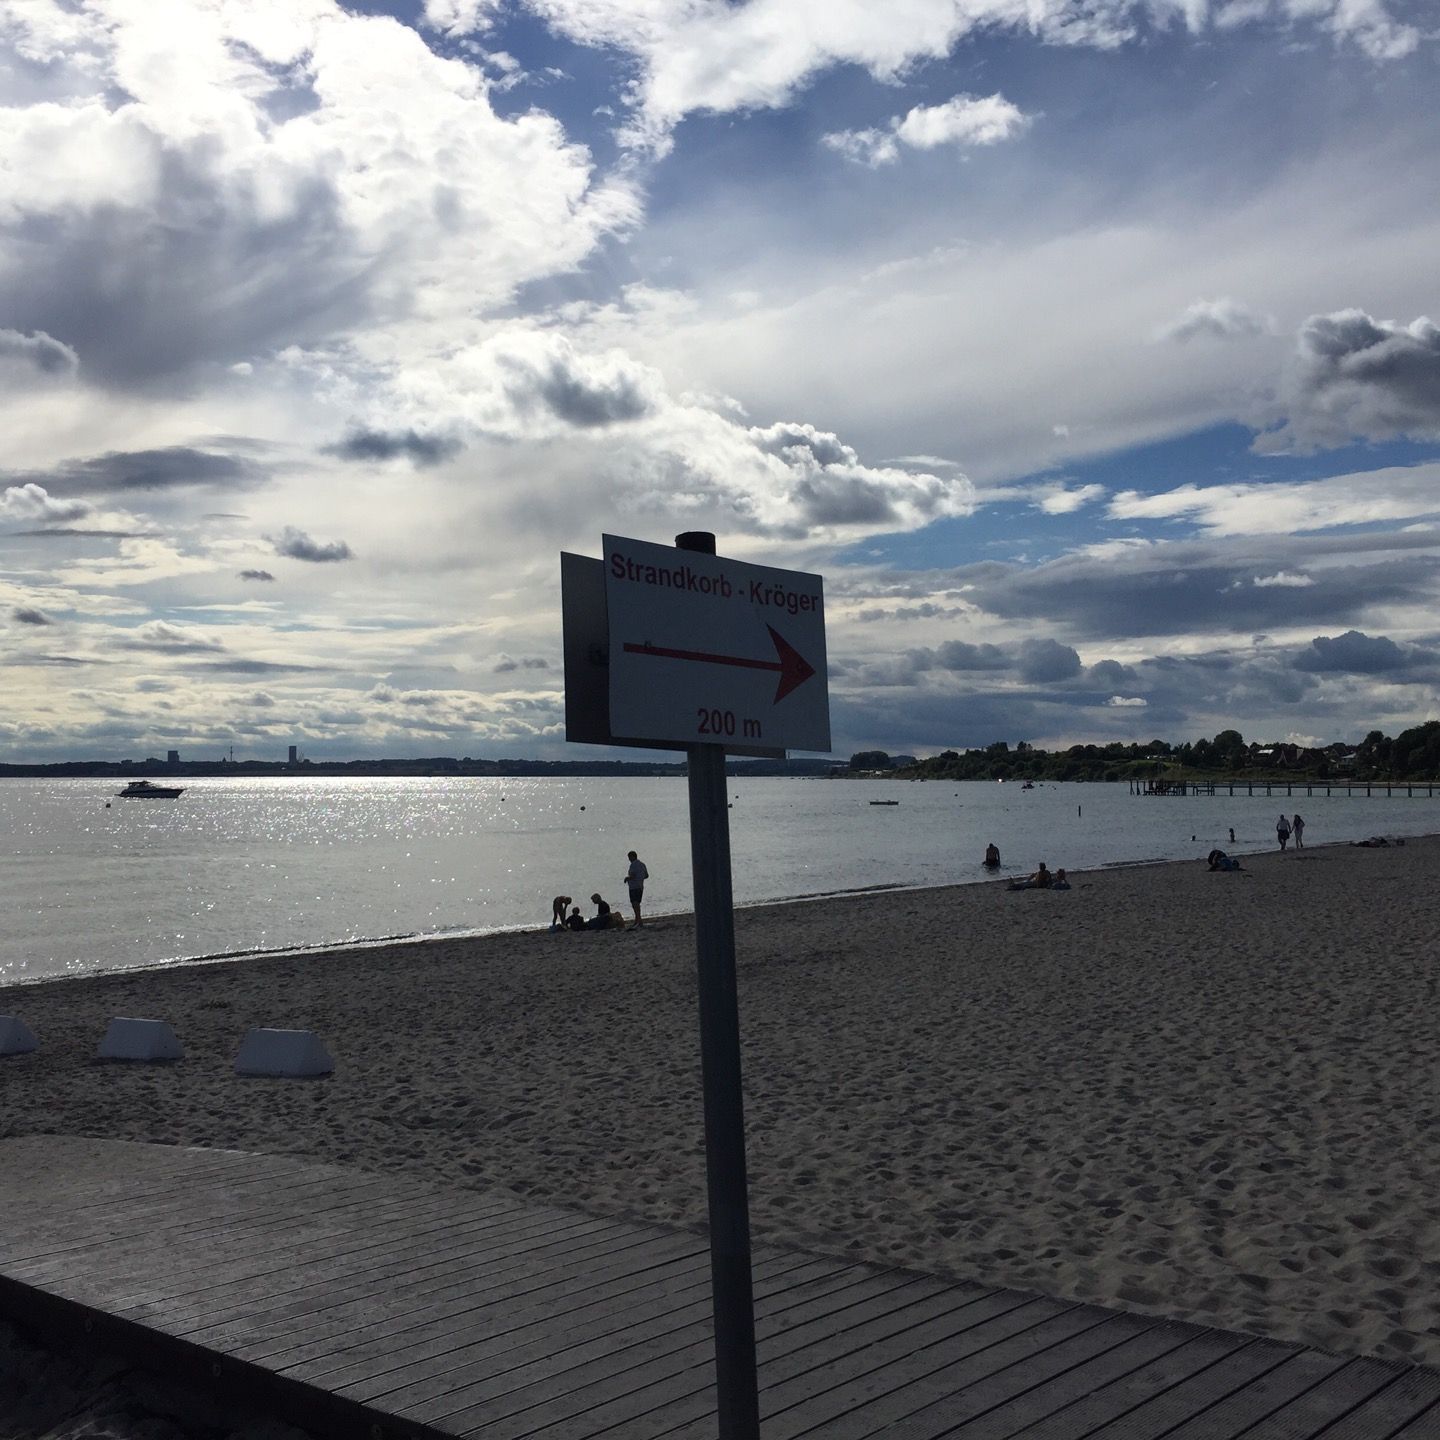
x,y
1042,879
557,912
603,919
575,920
1372,842
992,856
1060,882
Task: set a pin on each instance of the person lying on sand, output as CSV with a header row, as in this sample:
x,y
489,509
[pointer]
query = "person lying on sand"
x,y
1372,842
1219,860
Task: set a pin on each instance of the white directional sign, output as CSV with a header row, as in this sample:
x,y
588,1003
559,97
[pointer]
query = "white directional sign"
x,y
710,651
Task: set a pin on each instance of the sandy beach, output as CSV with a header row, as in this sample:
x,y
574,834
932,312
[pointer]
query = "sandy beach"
x,y
1210,1096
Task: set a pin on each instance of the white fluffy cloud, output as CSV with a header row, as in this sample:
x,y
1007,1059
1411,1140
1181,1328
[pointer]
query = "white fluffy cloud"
x,y
963,120
32,505
710,55
214,176
1222,319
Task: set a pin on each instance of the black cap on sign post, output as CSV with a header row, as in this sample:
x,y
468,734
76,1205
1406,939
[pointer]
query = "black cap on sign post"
x,y
736,1387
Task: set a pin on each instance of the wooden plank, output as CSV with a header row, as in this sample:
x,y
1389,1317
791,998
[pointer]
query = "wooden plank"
x,y
1264,1395
257,1275
379,1271
123,1267
678,1293
541,1362
305,1336
1072,1401
515,1380
1390,1411
652,1399
1425,1426
1161,1412
903,1398
1306,1416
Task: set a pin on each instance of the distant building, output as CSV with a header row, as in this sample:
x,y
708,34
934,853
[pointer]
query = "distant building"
x,y
294,754
172,757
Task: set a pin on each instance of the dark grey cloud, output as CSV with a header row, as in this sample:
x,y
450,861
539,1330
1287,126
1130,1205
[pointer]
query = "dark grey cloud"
x,y
1355,376
1195,587
205,276
1352,653
843,499
26,616
961,655
38,350
164,638
256,667
1110,675
67,660
586,402
421,450
171,468
1043,662
529,662
300,546
256,575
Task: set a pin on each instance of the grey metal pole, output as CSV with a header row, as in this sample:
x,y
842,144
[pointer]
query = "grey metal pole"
x,y
737,1391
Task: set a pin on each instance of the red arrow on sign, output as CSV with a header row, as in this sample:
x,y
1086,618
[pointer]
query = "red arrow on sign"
x,y
793,667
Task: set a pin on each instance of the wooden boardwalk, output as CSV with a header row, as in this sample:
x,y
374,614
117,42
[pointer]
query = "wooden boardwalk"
x,y
377,1306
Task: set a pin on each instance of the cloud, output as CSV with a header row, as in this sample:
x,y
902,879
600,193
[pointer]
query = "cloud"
x,y
963,120
30,504
39,351
325,174
300,546
1060,501
1352,653
1357,377
421,450
166,639
1127,702
585,391
1042,662
1222,319
506,664
723,58
256,575
24,615
1277,507
172,467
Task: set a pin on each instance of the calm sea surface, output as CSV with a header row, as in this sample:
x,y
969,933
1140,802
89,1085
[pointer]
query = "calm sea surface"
x,y
264,864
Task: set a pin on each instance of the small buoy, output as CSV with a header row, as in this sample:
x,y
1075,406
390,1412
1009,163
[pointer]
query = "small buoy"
x,y
107,804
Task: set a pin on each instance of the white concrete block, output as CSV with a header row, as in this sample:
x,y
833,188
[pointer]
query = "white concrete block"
x,y
295,1053
128,1039
16,1037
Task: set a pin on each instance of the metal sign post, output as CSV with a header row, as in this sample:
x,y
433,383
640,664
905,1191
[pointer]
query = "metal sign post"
x,y
737,1390
661,650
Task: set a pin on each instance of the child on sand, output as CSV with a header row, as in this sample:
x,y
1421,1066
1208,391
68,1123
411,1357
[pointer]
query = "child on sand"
x,y
557,912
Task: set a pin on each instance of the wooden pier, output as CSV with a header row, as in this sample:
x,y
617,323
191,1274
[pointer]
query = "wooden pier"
x,y
381,1307
1386,788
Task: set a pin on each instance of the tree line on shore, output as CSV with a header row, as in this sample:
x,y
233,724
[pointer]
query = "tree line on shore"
x,y
1412,755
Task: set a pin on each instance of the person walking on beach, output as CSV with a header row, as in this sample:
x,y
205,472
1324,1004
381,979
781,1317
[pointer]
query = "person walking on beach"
x,y
1297,826
1282,831
635,878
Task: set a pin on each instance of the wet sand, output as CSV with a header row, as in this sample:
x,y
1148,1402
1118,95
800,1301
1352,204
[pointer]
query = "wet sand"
x,y
1210,1096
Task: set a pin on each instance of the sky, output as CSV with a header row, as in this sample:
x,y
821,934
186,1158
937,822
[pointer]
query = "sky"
x,y
1083,346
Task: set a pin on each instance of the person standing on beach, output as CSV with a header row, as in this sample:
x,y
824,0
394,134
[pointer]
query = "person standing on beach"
x,y
557,911
635,878
1297,825
1282,831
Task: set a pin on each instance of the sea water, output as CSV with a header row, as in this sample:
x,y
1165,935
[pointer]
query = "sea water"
x,y
254,864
